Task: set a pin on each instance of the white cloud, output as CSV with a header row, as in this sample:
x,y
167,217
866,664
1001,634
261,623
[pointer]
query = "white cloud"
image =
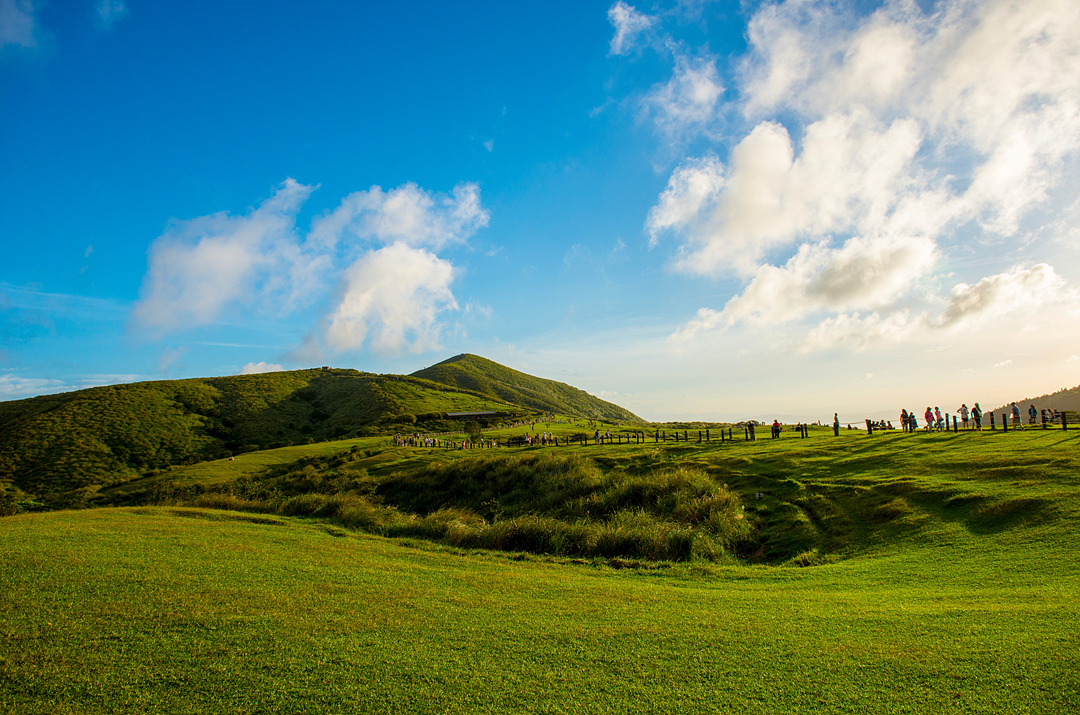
x,y
17,23
1019,290
13,387
906,138
850,177
390,299
1073,358
687,102
628,24
199,267
1004,363
999,80
407,214
489,144
254,368
855,333
863,273
691,187
387,298
109,11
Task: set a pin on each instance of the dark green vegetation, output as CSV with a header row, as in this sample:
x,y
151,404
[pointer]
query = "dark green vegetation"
x,y
946,581
472,372
59,450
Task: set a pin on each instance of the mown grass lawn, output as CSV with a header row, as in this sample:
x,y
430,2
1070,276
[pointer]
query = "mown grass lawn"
x,y
184,610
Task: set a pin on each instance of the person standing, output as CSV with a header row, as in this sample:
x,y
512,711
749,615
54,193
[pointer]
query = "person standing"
x,y
1017,422
903,420
929,417
964,414
976,416
1032,414
835,424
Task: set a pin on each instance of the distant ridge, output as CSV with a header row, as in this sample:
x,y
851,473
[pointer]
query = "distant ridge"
x,y
472,372
1063,399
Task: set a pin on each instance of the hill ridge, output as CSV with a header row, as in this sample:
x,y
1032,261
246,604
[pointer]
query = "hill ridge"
x,y
486,376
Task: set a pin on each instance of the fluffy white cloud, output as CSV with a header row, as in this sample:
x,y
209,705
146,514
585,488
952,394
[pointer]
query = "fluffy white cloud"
x,y
862,273
387,298
407,214
996,84
857,333
628,24
686,102
850,177
917,136
199,267
17,23
391,298
255,368
1019,290
693,185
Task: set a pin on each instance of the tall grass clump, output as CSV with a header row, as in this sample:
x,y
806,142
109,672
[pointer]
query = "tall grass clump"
x,y
551,503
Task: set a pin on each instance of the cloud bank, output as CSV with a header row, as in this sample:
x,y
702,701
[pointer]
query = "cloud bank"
x,y
876,147
369,263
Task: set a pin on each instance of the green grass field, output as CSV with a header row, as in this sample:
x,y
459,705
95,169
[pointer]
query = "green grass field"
x,y
943,577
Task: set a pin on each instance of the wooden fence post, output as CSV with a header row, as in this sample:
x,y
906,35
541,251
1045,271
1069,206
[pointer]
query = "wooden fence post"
x,y
1005,421
1064,420
992,427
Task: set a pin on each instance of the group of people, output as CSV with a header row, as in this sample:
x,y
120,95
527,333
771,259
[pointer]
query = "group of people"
x,y
969,418
933,420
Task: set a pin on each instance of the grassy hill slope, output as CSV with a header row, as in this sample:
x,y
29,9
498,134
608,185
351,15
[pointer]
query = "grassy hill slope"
x,y
789,500
183,610
62,447
473,372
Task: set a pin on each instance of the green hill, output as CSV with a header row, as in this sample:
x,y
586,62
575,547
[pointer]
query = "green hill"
x,y
473,372
59,448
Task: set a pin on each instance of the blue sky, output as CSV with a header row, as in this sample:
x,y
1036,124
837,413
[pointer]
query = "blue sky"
x,y
694,209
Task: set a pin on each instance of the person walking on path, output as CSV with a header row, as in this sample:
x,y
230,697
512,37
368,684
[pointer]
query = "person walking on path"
x,y
939,423
964,414
1017,422
929,417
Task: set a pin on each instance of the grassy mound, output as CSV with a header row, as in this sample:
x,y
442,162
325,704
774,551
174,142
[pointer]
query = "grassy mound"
x,y
473,372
